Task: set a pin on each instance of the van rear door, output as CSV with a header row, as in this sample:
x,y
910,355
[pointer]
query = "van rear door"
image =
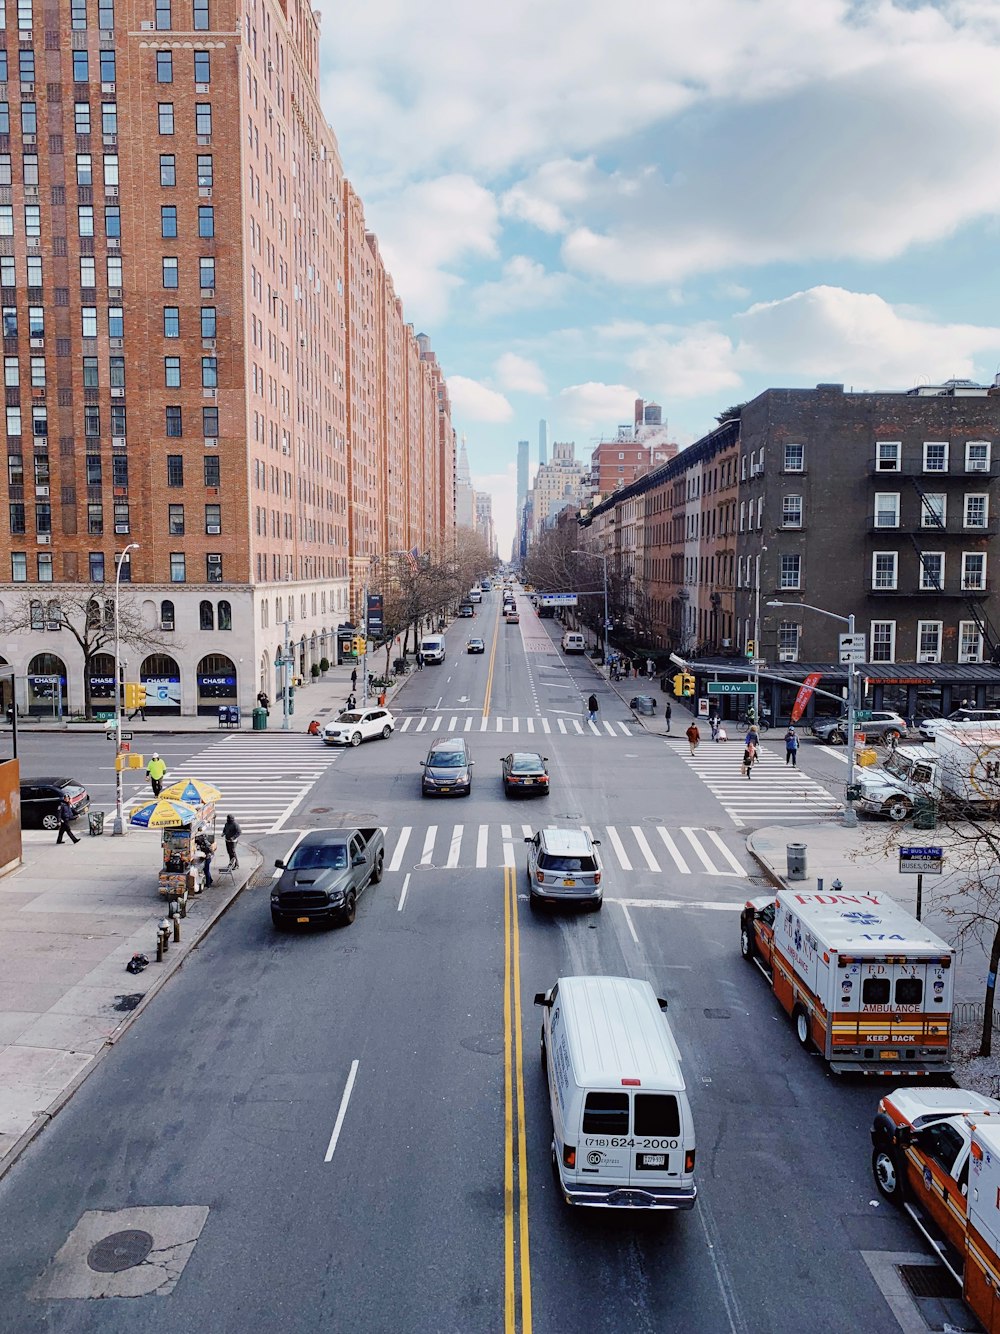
x,y
656,1155
604,1148
888,1003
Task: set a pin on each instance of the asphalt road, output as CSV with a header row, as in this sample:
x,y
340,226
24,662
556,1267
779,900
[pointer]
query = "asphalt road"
x,y
362,1111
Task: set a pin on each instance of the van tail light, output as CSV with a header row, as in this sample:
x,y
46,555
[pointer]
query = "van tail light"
x,y
569,1155
689,1160
597,877
539,876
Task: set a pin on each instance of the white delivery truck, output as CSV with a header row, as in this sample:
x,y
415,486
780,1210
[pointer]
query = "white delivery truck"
x,y
622,1132
962,767
432,648
864,982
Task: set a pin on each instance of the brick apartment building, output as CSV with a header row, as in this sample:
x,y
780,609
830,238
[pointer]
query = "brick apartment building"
x,y
204,354
878,504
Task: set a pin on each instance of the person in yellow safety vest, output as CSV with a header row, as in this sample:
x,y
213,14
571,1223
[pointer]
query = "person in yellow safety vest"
x,y
155,770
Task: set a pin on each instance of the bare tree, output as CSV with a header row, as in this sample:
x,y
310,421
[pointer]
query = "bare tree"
x,y
89,618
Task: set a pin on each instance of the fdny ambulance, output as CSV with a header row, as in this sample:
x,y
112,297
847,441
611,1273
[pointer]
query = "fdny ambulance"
x,y
936,1154
865,983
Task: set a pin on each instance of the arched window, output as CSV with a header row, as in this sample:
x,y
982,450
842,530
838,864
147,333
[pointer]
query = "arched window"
x,y
225,616
37,615
54,615
206,614
166,614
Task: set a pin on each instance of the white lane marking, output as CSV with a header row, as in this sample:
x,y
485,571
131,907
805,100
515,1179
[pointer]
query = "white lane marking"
x,y
562,725
699,851
680,903
404,725
514,721
468,724
431,835
276,827
484,724
400,848
277,870
545,726
609,729
629,923
453,724
645,849
348,1090
579,727
836,755
625,729
671,847
531,724
593,727
402,895
481,845
456,845
619,848
737,868
421,724
436,723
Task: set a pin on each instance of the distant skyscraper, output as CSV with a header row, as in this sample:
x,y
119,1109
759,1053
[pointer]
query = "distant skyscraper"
x,y
465,496
543,442
522,471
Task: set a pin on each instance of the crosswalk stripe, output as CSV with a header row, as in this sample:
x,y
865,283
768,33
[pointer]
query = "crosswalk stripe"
x,y
514,721
481,845
699,851
531,724
421,724
640,837
436,723
576,723
545,726
468,723
508,846
431,835
483,725
453,724
737,868
671,847
404,726
561,724
456,846
619,848
499,725
400,848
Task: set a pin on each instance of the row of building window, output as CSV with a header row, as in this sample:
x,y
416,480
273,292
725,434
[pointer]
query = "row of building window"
x,y
166,121
202,69
176,526
206,274
172,321
933,510
81,65
882,641
169,220
44,568
78,15
885,570
165,12
888,457
205,171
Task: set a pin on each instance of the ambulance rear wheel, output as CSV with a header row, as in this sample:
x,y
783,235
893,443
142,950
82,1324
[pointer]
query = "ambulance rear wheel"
x,y
801,1019
746,943
887,1173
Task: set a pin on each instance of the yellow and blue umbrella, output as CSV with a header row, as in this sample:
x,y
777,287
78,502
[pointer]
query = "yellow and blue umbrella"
x,y
191,790
161,814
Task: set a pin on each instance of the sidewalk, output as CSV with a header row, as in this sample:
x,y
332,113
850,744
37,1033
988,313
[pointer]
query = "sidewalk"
x,y
833,851
71,917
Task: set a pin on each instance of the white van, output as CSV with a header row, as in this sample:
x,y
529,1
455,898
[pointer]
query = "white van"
x,y
572,642
622,1132
432,647
475,595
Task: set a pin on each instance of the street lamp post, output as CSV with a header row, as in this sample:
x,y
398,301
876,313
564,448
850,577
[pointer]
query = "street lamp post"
x,y
285,655
850,815
119,825
598,555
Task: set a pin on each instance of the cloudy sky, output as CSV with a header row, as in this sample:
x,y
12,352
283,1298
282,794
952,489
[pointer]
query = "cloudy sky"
x,y
582,203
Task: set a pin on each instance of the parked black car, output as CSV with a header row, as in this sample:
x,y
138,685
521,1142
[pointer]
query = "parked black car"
x,y
40,798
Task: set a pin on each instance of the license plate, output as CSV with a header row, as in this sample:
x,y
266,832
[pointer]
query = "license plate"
x,y
302,919
654,1160
888,1055
569,883
445,787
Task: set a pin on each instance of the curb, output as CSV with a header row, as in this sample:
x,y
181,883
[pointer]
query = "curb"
x,y
770,873
173,966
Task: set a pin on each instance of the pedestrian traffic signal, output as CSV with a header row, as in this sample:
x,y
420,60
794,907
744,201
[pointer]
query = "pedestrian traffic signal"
x,y
751,648
135,695
679,684
688,681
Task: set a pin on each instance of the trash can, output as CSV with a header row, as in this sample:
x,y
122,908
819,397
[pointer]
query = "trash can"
x,y
795,857
95,820
644,704
260,720
924,813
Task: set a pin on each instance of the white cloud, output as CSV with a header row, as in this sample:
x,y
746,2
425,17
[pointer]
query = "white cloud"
x,y
823,334
520,375
523,285
472,401
596,407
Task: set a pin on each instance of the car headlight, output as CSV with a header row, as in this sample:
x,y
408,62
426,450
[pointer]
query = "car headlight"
x,y
275,899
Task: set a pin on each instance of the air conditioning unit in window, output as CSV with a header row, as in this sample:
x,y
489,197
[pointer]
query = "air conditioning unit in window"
x,y
44,539
41,490
118,393
146,25
204,139
27,138
27,89
213,529
37,342
968,657
204,192
107,87
786,655
927,657
114,243
727,643
117,442
201,88
111,191
166,625
121,527
977,465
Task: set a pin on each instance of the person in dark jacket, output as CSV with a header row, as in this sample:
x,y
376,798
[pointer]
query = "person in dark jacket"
x,y
593,706
65,816
667,712
231,832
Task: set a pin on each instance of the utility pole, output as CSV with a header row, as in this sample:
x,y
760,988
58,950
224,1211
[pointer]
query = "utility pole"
x,y
119,824
285,654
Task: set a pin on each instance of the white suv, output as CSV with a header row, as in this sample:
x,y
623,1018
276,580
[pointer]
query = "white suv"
x,y
350,729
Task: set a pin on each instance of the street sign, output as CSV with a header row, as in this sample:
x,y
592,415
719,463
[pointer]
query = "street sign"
x,y
126,736
852,648
731,688
557,599
862,715
921,861
758,662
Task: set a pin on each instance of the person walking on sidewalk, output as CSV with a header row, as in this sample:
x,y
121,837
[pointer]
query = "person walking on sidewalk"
x,y
752,737
667,711
693,736
420,661
354,678
749,757
263,701
592,705
231,832
65,815
155,770
792,747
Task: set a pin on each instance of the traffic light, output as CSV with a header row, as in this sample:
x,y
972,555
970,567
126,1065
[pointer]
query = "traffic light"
x,y
135,695
751,648
359,646
688,682
679,684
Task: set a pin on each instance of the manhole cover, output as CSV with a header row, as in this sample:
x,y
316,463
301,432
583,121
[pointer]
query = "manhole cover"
x,y
927,1280
760,880
125,1003
716,1014
320,810
122,1250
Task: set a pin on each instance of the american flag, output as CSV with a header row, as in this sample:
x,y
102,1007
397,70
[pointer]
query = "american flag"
x,y
411,559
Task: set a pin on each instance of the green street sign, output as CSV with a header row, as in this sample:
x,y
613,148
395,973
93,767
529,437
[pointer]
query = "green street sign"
x,y
862,715
731,688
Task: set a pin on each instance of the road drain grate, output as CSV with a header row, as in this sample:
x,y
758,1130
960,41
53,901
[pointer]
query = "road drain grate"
x,y
927,1280
122,1250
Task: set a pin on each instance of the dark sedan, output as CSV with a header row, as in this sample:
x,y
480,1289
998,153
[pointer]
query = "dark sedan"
x,y
40,798
447,769
476,646
524,774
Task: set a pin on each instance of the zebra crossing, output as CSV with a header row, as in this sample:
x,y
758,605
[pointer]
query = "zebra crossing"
x,y
686,850
775,791
260,784
456,722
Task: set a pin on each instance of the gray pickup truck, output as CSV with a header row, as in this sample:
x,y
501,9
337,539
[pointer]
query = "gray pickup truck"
x,y
325,874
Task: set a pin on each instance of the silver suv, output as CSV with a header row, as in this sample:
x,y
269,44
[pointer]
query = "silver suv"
x,y
564,867
881,726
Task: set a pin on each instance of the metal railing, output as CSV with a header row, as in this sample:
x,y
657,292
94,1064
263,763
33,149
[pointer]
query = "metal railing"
x,y
968,1013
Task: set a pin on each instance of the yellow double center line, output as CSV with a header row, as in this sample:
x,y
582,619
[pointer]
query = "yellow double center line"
x,y
489,674
517,1268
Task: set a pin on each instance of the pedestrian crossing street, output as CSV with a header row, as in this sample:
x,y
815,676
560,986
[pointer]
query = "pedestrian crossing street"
x,y
654,848
775,791
474,722
262,780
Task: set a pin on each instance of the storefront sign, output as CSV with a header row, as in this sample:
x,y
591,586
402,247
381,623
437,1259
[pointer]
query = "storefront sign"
x,y
808,685
163,690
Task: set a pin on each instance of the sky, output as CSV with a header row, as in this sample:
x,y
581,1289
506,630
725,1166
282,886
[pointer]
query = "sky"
x,y
585,203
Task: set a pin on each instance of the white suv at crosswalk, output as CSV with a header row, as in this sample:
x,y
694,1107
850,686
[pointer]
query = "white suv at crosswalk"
x,y
350,729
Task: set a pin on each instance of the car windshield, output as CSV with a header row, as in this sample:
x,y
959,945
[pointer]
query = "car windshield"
x,y
525,764
447,759
319,857
349,718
